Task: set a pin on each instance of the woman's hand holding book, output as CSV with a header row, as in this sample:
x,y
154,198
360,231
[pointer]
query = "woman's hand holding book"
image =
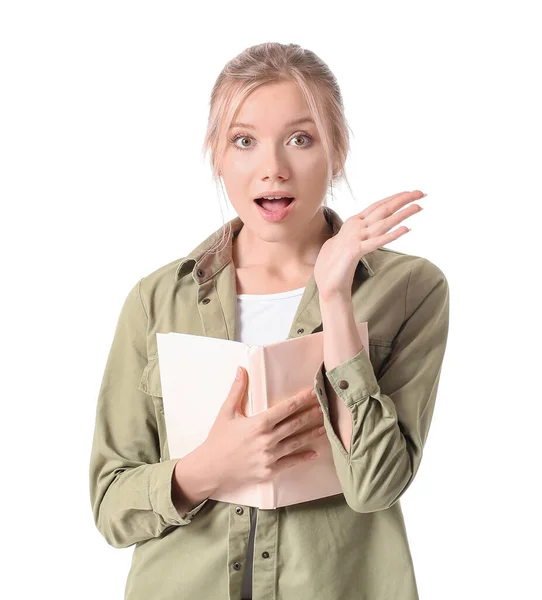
x,y
240,449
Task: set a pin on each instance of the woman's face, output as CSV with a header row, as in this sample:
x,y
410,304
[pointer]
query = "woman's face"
x,y
268,153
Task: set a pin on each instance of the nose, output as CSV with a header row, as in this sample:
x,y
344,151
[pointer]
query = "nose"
x,y
275,165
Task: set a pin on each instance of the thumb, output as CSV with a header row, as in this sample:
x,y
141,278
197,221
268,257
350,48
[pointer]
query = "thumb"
x,y
232,405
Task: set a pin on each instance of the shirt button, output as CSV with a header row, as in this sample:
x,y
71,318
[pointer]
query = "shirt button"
x,y
300,330
343,384
239,510
200,273
236,566
320,391
265,554
206,300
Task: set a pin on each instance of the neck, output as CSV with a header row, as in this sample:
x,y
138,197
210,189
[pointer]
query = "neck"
x,y
286,255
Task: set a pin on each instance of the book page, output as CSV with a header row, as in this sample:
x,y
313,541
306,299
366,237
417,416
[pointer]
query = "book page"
x,y
196,374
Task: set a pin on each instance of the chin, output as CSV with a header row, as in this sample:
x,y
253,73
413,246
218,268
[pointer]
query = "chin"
x,y
268,232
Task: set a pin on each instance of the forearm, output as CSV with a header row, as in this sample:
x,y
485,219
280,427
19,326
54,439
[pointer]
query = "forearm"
x,y
341,342
390,416
192,482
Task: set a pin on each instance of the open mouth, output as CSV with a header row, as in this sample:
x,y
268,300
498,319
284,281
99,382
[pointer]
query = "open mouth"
x,y
275,210
274,205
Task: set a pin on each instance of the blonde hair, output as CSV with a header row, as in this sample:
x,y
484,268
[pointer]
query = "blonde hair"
x,y
272,62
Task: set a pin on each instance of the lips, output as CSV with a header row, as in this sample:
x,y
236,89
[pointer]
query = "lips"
x,y
279,211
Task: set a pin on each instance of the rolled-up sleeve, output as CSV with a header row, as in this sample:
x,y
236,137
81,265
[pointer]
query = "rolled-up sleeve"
x,y
130,489
391,416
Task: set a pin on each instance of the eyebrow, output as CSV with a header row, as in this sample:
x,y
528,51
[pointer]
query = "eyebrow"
x,y
289,124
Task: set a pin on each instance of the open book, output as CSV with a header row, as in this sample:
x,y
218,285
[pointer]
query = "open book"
x,y
197,373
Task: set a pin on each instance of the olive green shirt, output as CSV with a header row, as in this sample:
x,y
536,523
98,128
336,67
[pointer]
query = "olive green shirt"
x,y
350,546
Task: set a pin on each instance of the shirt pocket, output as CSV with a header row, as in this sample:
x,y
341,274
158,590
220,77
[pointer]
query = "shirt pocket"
x,y
150,384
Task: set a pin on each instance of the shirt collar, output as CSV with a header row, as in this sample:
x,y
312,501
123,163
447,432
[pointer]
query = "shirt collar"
x,y
214,253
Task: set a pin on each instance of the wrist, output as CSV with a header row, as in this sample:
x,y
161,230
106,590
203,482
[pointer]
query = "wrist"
x,y
337,297
205,467
192,481
338,302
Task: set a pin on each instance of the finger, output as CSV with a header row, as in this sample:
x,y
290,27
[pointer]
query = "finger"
x,y
232,405
389,210
370,244
384,225
291,460
296,424
367,211
294,442
287,407
395,201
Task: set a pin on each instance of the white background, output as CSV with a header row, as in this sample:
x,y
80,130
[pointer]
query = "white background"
x,y
103,111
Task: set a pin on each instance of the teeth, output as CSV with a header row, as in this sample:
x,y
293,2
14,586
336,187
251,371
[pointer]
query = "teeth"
x,y
273,197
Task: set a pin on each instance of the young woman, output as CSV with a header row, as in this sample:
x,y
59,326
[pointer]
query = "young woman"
x,y
286,266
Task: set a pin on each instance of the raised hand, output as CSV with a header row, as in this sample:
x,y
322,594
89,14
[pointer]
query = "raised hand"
x,y
360,234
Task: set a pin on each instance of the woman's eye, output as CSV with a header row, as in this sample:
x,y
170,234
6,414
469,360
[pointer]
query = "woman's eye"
x,y
244,137
302,136
243,145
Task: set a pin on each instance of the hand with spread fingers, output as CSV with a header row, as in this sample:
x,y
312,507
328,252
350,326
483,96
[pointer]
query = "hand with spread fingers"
x,y
360,234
